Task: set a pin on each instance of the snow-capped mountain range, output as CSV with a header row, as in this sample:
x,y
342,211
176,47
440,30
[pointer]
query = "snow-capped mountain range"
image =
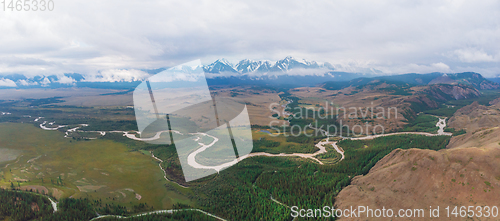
x,y
286,71
282,66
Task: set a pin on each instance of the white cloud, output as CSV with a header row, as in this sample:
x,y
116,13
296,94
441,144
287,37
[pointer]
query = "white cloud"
x,y
355,66
7,83
473,55
26,83
117,75
127,35
66,80
440,67
171,76
413,68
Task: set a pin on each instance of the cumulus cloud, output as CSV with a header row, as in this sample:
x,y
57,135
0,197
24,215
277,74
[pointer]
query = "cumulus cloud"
x,y
66,80
416,68
441,67
117,75
355,66
7,83
473,55
137,35
170,76
26,83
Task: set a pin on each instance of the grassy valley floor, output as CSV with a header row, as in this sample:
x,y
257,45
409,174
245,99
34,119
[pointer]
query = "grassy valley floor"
x,y
99,169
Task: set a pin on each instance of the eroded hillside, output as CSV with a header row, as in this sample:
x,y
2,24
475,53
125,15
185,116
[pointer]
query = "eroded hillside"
x,y
417,179
393,104
476,116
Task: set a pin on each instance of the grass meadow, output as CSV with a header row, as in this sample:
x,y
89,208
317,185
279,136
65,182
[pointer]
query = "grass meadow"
x,y
98,169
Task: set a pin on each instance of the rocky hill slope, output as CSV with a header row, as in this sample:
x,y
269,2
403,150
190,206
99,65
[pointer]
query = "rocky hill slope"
x,y
417,179
476,116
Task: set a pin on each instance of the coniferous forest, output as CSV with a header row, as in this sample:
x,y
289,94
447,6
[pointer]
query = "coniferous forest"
x,y
262,187
254,187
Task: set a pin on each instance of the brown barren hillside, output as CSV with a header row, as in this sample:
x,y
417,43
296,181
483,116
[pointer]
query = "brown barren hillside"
x,y
260,103
486,137
475,116
363,101
417,179
393,102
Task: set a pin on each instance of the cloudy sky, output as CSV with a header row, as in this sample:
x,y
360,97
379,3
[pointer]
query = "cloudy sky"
x,y
122,37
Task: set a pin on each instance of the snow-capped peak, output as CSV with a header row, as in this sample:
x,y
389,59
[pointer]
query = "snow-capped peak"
x,y
224,61
250,66
221,65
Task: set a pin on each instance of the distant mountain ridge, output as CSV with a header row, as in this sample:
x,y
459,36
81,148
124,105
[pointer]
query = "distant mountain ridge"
x,y
285,72
467,78
288,71
250,66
